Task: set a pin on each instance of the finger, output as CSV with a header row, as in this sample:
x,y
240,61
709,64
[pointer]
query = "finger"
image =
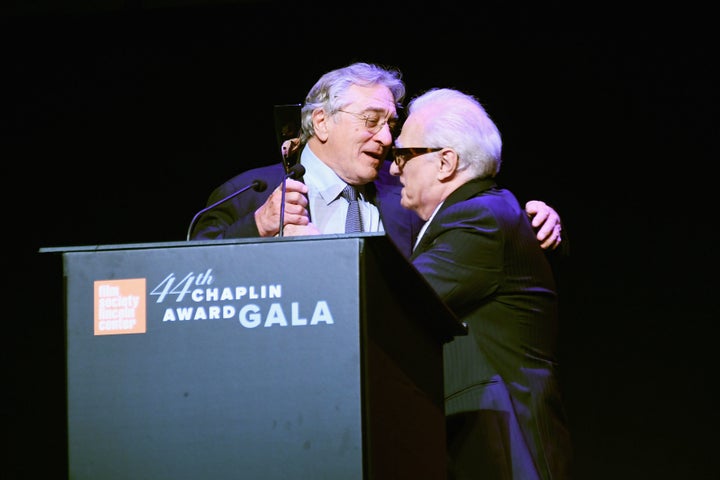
x,y
295,219
295,198
540,217
546,231
550,244
552,239
295,209
292,185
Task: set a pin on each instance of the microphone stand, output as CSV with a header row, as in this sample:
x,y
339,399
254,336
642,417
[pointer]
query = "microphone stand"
x,y
296,171
257,185
287,128
283,188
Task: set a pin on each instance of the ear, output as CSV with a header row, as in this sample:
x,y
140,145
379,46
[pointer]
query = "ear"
x,y
320,121
448,164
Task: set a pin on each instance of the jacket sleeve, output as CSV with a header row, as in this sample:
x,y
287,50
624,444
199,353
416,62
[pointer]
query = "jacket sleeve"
x,y
235,218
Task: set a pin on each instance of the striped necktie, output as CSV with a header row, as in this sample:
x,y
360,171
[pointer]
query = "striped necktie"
x,y
353,222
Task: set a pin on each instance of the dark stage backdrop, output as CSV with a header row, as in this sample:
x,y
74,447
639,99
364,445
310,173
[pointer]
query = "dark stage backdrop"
x,y
124,116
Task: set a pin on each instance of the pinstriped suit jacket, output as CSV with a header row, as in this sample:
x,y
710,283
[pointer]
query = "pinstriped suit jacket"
x,y
503,403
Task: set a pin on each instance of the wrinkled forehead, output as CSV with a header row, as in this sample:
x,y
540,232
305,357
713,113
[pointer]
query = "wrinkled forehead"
x,y
374,98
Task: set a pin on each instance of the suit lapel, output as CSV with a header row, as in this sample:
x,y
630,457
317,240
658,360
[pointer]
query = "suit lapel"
x,y
468,190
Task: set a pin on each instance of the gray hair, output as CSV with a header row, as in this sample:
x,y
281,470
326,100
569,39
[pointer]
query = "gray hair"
x,y
465,126
328,91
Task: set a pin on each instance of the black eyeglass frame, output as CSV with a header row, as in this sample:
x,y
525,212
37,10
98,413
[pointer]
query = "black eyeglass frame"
x,y
403,155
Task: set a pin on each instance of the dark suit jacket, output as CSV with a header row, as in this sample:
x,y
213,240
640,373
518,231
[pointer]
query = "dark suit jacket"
x,y
505,414
235,219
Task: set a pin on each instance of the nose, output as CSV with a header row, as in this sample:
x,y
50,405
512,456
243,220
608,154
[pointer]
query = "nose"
x,y
394,169
385,135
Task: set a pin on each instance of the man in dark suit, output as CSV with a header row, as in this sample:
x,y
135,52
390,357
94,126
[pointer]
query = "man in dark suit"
x,y
505,415
347,124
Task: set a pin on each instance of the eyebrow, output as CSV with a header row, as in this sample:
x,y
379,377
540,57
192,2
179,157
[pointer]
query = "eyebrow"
x,y
379,110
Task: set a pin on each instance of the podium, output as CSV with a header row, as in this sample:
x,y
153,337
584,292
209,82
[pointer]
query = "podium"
x,y
280,358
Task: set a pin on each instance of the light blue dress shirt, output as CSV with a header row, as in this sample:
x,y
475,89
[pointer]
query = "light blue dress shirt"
x,y
327,208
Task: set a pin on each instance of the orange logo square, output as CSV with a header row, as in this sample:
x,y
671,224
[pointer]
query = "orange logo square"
x,y
120,306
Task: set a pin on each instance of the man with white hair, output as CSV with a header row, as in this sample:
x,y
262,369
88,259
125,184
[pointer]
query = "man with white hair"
x,y
477,248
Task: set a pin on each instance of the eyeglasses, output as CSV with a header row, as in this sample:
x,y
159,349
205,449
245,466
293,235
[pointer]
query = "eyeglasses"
x,y
403,155
374,122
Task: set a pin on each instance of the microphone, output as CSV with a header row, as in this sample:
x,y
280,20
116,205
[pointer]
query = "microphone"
x,y
287,129
257,185
294,172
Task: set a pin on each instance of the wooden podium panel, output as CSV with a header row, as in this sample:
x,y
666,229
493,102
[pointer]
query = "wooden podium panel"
x,y
312,357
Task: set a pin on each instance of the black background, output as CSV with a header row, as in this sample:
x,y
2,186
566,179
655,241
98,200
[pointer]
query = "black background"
x,y
124,116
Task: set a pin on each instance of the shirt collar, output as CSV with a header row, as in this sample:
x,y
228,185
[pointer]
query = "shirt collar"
x,y
321,177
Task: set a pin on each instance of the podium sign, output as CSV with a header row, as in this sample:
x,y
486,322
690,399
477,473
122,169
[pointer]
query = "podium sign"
x,y
312,357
